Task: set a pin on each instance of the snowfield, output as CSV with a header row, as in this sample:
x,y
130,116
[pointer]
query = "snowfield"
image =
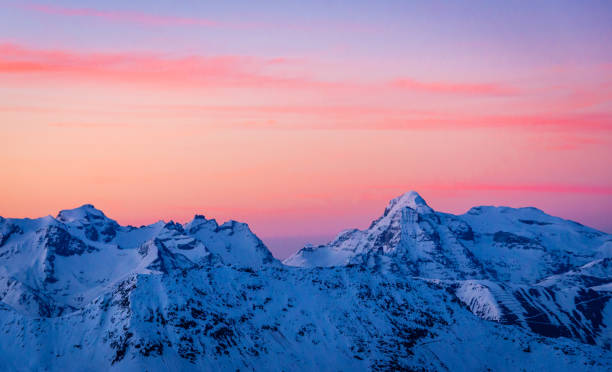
x,y
497,288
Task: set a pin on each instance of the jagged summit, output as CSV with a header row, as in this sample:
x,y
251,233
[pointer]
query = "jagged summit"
x,y
390,234
411,199
84,212
81,250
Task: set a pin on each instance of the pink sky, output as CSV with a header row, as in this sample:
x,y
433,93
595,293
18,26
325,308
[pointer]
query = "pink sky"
x,y
151,112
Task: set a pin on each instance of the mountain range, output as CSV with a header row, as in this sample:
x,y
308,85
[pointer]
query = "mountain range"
x,y
496,288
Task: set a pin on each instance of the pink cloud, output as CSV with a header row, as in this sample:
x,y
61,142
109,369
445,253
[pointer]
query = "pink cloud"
x,y
567,121
200,71
137,67
549,188
567,143
453,88
389,120
84,125
548,121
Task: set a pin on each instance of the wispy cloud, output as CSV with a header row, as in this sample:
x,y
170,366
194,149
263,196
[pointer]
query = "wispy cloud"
x,y
548,188
568,143
453,88
137,67
93,125
392,120
205,71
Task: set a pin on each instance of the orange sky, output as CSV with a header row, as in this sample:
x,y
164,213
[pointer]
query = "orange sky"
x,y
294,142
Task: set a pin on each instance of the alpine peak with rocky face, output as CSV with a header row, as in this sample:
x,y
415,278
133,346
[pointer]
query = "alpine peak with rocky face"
x,y
515,266
497,287
503,244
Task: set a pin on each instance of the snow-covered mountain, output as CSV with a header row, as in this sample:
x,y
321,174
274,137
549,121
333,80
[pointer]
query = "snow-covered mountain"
x,y
498,243
514,266
498,288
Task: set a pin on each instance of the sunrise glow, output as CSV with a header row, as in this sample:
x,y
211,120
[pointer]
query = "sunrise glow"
x,y
302,120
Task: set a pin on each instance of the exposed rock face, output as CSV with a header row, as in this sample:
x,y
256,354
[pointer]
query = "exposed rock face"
x,y
497,288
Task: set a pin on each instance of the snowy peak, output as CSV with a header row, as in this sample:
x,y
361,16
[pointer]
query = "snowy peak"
x,y
233,242
200,222
86,212
411,200
496,243
406,219
92,223
76,256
